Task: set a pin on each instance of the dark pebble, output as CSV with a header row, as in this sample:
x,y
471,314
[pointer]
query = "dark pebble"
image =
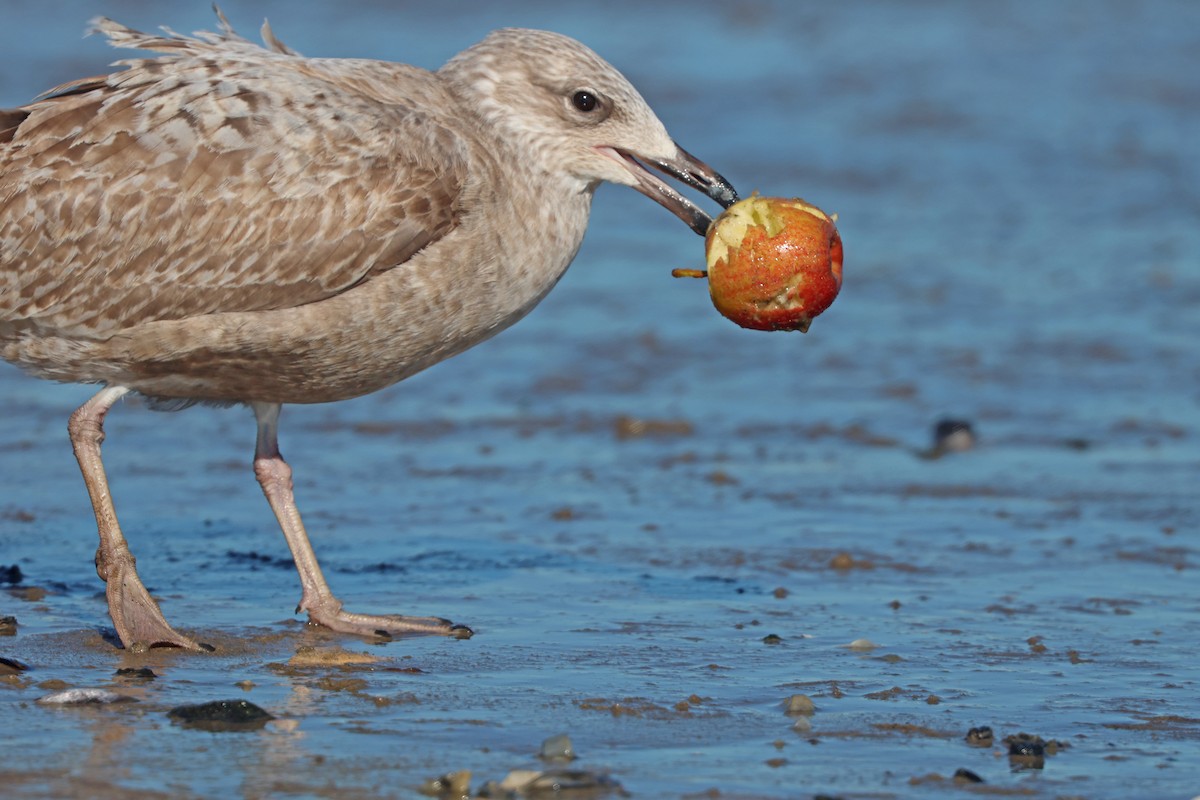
x,y
772,638
221,715
966,776
953,436
1021,739
1026,752
11,574
136,673
1026,749
980,737
8,626
10,666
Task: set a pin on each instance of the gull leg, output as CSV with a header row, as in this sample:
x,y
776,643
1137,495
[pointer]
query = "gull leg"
x,y
275,477
134,613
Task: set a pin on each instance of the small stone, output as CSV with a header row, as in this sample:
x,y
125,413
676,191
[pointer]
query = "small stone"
x,y
136,673
980,737
453,786
570,782
1015,739
10,666
966,776
780,593
518,780
842,561
11,573
221,715
1026,752
83,697
802,725
862,644
8,626
30,594
772,638
799,704
1026,749
631,428
1053,746
557,748
953,436
307,656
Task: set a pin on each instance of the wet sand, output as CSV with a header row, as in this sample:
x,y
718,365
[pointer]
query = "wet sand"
x,y
663,527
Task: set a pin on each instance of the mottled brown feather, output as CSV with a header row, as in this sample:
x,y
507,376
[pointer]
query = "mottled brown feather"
x,y
220,178
10,118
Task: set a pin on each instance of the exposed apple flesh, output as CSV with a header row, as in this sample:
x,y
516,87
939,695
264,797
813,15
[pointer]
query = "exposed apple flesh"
x,y
774,263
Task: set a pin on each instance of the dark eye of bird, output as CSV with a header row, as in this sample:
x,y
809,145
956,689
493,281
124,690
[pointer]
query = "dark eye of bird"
x,y
585,101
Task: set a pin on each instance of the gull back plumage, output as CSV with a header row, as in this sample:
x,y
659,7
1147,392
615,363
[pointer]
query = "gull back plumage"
x,y
222,177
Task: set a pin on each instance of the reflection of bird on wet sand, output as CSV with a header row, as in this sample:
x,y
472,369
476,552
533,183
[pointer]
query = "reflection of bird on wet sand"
x,y
236,224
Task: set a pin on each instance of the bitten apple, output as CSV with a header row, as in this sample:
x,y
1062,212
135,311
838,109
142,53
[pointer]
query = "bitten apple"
x,y
773,263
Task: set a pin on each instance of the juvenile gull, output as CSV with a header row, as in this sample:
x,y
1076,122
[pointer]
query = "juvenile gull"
x,y
229,223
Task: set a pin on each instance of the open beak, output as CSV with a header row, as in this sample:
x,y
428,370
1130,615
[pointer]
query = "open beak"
x,y
685,168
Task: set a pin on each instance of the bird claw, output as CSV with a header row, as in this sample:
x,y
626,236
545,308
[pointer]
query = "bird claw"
x,y
139,622
385,626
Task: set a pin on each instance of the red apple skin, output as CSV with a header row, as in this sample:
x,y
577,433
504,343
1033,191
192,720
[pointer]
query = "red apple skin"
x,y
773,282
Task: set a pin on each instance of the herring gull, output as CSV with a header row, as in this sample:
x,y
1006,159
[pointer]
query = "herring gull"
x,y
233,223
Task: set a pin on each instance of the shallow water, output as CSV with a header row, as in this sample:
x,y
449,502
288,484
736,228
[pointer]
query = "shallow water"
x,y
1017,190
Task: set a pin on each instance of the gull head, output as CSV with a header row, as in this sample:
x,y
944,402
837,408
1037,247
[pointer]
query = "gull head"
x,y
575,117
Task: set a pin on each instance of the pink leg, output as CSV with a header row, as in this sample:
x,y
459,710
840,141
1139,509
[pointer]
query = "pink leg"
x,y
275,477
134,613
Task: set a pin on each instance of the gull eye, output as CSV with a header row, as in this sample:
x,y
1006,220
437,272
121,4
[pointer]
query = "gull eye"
x,y
585,101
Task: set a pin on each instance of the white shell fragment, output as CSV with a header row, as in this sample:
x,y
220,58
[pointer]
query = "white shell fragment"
x,y
82,697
